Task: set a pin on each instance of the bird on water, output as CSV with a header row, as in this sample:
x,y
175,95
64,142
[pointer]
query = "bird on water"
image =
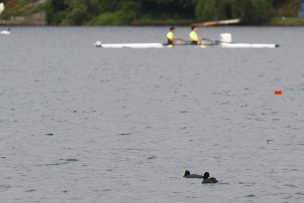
x,y
208,179
187,174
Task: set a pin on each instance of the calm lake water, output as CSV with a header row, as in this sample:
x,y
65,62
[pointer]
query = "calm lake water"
x,y
85,124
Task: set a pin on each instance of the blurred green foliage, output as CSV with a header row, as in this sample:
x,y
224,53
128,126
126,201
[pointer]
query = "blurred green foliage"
x,y
124,12
20,8
249,11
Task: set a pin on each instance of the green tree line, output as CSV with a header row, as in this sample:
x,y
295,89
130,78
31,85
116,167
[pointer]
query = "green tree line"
x,y
123,12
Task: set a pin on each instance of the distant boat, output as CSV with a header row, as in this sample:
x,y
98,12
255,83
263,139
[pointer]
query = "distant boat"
x,y
219,22
2,7
5,32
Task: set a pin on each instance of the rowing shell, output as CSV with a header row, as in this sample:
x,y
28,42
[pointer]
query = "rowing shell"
x,y
130,45
246,45
159,45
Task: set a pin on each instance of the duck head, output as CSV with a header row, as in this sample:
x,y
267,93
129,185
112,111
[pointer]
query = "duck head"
x,y
206,175
187,173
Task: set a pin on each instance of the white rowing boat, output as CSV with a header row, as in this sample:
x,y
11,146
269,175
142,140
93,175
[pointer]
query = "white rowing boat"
x,y
129,45
224,42
159,45
5,32
247,45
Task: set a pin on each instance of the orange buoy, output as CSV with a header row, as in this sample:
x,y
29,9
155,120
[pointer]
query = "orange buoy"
x,y
278,92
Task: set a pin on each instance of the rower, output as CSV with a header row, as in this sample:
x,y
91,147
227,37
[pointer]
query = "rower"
x,y
170,36
195,39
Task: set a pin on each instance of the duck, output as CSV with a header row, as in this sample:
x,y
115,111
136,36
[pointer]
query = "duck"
x,y
188,175
208,179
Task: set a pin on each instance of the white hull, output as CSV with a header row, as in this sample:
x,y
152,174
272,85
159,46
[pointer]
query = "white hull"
x,y
246,45
129,45
159,45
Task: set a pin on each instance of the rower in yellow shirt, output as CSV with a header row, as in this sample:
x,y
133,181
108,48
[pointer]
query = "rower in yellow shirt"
x,y
195,39
170,36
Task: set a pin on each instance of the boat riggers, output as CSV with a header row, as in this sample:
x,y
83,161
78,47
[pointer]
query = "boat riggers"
x,y
224,42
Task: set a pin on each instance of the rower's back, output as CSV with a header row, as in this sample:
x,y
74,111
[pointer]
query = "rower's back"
x,y
170,36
